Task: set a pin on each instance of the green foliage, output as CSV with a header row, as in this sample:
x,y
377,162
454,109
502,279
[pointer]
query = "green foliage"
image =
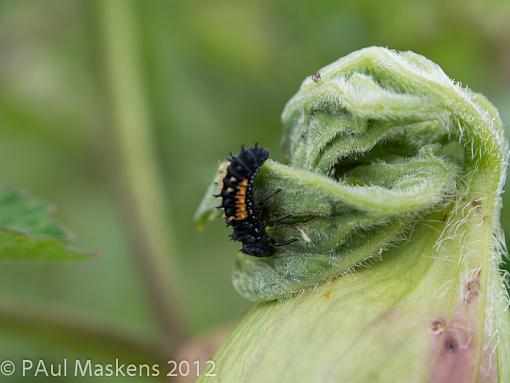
x,y
28,230
393,185
376,142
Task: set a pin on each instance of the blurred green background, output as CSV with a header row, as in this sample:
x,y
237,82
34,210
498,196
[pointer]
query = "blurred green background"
x,y
212,76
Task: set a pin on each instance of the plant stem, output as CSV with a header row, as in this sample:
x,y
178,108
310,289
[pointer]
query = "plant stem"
x,y
141,189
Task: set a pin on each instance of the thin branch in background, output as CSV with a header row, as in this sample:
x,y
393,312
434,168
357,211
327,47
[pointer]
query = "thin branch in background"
x,y
137,168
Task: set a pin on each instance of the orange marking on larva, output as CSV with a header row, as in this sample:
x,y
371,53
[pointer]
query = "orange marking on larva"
x,y
240,199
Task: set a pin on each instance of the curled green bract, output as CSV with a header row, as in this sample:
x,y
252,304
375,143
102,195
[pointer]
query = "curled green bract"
x,y
393,184
376,143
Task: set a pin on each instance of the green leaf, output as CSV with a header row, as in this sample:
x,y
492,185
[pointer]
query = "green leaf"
x,y
29,232
338,225
206,210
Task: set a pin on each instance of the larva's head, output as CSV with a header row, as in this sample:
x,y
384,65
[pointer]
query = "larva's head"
x,y
261,248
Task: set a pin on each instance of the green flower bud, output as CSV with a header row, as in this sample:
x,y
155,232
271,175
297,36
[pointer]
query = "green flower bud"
x,y
393,185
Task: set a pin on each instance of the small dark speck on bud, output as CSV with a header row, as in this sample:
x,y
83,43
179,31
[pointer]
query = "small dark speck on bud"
x,y
438,326
451,345
472,289
316,77
477,203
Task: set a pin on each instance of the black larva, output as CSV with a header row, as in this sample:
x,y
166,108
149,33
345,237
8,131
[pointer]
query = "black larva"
x,y
241,210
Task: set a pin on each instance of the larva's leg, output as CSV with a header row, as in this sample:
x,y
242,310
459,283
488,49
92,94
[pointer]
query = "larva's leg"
x,y
274,220
284,243
267,198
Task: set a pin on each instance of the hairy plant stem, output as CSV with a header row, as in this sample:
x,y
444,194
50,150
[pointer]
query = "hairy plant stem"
x,y
142,191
